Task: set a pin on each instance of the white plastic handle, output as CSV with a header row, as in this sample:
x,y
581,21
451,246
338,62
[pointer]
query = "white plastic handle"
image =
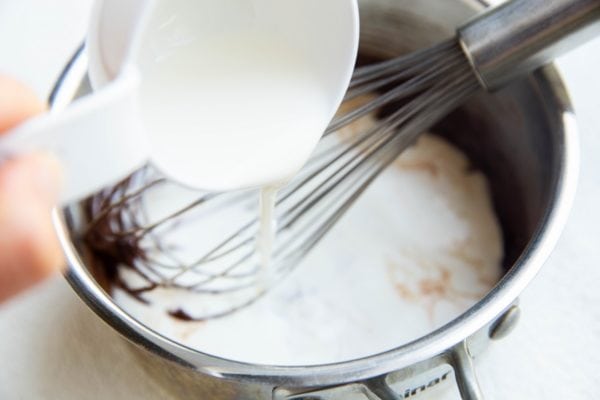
x,y
99,138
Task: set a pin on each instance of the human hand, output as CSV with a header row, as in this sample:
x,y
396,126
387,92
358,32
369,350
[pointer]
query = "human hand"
x,y
29,187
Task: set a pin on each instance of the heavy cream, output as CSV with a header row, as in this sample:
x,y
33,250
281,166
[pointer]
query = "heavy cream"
x,y
266,233
236,94
231,100
246,115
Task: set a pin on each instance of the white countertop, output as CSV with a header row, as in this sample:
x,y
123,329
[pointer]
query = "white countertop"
x,y
53,347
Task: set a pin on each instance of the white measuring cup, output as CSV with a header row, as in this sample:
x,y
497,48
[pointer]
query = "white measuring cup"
x,y
103,137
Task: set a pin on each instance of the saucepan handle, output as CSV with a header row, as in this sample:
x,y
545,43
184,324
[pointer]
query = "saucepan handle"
x,y
466,379
423,378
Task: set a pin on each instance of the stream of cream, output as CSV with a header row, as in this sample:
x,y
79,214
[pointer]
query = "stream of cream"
x,y
266,234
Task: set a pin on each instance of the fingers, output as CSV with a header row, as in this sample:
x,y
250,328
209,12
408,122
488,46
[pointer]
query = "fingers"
x,y
29,248
29,185
17,103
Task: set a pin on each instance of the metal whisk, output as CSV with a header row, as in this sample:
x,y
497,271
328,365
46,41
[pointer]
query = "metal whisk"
x,y
138,228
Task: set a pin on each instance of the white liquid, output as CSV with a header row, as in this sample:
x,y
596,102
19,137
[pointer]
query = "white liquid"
x,y
232,111
238,115
235,95
266,233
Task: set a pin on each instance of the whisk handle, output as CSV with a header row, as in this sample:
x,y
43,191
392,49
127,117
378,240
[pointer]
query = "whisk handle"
x,y
521,35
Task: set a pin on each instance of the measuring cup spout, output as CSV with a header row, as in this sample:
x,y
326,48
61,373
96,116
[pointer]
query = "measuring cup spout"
x,y
99,139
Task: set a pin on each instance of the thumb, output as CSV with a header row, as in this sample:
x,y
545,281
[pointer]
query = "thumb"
x,y
17,103
29,248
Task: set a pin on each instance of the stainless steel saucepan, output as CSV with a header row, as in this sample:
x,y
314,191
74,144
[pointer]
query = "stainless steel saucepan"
x,y
523,138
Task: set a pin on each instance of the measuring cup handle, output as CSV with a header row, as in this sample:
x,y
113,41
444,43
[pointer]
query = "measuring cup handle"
x,y
99,139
